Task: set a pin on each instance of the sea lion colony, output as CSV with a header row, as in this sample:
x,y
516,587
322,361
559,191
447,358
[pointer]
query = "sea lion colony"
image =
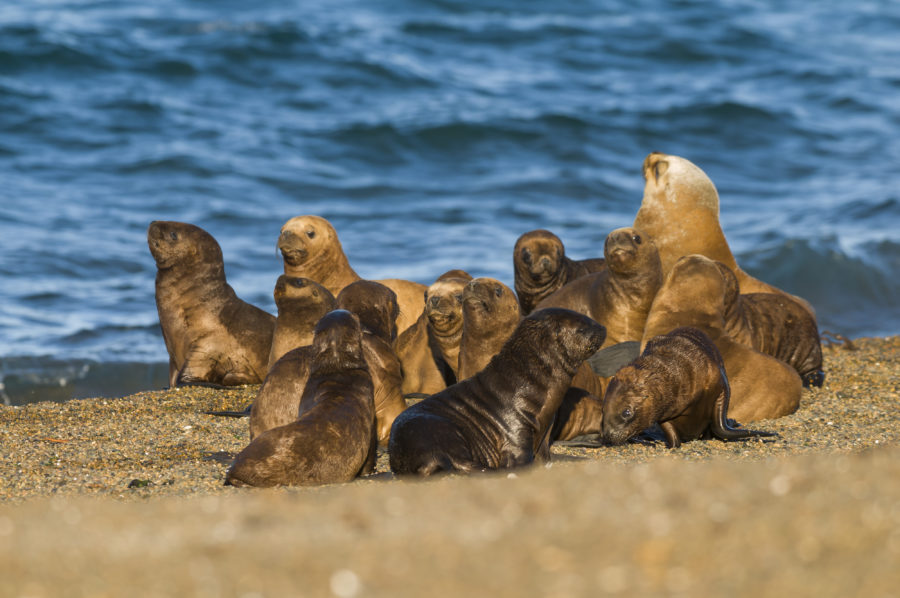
x,y
502,374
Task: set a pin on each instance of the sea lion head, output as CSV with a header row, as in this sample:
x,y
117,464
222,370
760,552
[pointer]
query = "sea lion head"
x,y
374,304
626,405
629,251
538,257
678,182
487,299
337,340
443,305
576,335
296,289
306,241
180,243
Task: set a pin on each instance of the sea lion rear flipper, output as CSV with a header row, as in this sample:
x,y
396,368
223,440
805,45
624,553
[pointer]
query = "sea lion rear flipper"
x,y
606,362
226,413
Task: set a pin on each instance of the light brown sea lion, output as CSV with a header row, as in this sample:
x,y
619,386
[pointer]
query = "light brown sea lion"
x,y
542,267
301,303
333,439
429,349
693,294
678,382
376,306
620,296
774,324
680,211
490,316
310,248
501,416
211,335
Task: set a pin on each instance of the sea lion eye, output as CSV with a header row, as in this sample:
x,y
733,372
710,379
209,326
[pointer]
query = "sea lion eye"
x,y
627,413
174,235
498,291
458,297
526,256
310,233
636,239
297,283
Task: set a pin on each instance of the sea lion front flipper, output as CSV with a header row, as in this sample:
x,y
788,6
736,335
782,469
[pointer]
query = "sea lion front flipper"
x,y
606,362
720,426
671,434
227,413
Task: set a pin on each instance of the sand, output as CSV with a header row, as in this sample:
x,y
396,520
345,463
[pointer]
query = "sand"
x,y
112,497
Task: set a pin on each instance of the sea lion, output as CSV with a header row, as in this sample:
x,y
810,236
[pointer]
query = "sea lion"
x,y
212,336
679,382
301,303
542,267
680,211
310,248
429,349
693,294
620,296
376,306
501,416
490,315
776,325
333,439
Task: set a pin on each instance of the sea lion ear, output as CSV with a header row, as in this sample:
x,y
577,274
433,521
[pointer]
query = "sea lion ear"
x,y
660,169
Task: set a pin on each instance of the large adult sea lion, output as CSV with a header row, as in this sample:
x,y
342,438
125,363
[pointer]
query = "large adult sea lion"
x,y
679,382
211,335
680,211
301,303
333,439
620,296
429,349
501,416
693,294
541,267
310,248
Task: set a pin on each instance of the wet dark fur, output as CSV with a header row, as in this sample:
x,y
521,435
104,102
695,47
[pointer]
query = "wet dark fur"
x,y
678,382
501,416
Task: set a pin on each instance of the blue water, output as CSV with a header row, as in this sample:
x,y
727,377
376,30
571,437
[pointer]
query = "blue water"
x,y
432,134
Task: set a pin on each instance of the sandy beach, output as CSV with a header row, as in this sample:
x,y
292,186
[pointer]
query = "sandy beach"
x,y
111,497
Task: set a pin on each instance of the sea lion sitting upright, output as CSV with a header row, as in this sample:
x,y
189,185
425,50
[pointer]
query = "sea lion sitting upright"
x,y
211,335
620,296
333,438
693,294
376,306
776,325
429,349
680,211
301,303
542,267
310,248
679,382
501,416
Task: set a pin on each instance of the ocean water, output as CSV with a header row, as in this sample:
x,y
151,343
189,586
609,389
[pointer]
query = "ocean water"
x,y
432,134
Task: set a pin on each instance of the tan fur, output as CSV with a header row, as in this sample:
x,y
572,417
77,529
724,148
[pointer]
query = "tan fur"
x,y
301,303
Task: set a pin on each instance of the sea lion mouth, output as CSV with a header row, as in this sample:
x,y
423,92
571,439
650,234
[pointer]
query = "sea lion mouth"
x,y
293,256
442,321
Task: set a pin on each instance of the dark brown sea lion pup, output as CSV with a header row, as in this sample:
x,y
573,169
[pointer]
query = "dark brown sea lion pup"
x,y
376,306
429,349
541,267
301,303
774,324
693,294
501,416
211,335
620,296
310,247
680,211
333,438
678,382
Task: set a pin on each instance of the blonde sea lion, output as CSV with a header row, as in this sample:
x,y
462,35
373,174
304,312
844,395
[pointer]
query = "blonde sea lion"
x,y
501,416
541,267
333,438
693,294
620,296
212,336
301,303
679,382
310,248
680,211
